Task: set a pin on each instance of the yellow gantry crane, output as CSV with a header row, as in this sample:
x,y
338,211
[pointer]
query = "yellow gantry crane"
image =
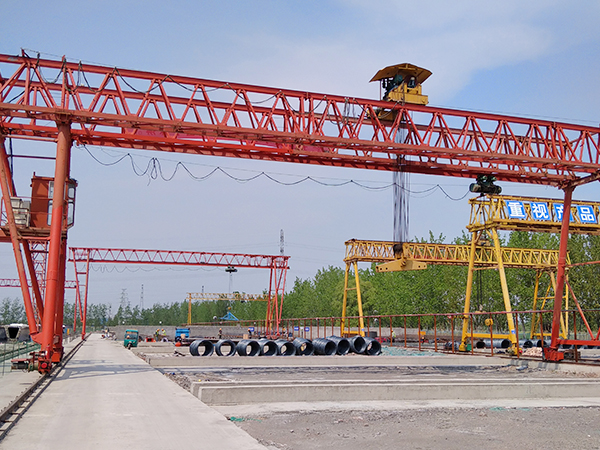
x,y
212,296
394,257
489,214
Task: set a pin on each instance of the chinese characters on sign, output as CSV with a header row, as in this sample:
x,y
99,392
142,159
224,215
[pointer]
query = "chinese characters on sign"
x,y
541,211
516,210
586,214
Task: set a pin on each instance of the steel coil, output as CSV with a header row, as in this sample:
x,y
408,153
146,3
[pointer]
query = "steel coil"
x,y
267,347
324,346
285,348
226,343
373,347
487,343
343,344
247,347
357,344
207,345
304,347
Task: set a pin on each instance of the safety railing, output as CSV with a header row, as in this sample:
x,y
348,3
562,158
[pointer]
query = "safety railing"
x,y
14,349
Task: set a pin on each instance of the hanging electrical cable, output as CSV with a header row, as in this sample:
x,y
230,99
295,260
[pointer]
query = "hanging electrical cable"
x,y
154,170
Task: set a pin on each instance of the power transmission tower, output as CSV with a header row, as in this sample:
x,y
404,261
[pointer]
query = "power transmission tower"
x,y
142,299
124,299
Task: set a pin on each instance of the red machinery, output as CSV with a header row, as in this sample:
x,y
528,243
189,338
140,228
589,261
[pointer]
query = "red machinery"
x,y
87,104
278,265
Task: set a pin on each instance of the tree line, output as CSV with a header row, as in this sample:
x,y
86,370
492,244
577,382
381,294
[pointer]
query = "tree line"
x,y
438,289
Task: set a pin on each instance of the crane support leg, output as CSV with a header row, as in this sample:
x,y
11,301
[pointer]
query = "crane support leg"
x,y
507,306
7,192
361,319
35,285
465,328
53,306
552,353
343,325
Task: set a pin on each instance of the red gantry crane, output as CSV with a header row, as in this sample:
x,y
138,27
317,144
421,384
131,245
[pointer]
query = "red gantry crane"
x,y
75,103
277,264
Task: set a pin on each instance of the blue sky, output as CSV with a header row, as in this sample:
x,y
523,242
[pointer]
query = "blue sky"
x,y
535,59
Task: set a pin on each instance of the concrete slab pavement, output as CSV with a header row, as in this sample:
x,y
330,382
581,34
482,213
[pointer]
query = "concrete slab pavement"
x,y
15,382
106,397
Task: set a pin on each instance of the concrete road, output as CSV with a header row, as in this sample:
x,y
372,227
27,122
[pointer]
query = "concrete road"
x,y
106,397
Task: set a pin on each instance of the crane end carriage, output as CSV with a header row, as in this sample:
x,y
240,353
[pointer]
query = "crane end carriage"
x,y
402,83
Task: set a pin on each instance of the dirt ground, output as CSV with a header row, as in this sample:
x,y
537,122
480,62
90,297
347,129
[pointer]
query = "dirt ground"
x,y
491,427
448,428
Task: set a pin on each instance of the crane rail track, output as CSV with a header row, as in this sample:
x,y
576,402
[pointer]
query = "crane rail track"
x,y
10,415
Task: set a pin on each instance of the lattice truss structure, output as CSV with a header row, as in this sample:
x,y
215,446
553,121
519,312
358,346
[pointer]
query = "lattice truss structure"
x,y
134,109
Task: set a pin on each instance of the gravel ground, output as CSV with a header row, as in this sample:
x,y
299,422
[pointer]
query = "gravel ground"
x,y
447,428
456,425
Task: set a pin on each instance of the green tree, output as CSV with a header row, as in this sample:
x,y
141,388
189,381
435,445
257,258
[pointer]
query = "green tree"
x,y
12,311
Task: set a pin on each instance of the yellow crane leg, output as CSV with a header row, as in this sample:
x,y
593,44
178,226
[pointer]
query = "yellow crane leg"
x,y
509,317
189,322
465,328
361,320
343,329
344,326
536,291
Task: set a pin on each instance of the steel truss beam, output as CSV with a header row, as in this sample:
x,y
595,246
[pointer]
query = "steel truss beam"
x,y
16,283
494,211
234,297
448,254
144,110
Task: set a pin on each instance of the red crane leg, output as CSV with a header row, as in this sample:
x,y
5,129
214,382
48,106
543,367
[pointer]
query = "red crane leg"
x,y
75,315
54,280
57,352
35,285
85,298
7,192
552,353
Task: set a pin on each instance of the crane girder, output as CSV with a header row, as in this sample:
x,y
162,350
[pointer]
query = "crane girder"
x,y
406,256
15,283
237,297
505,212
143,110
176,257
